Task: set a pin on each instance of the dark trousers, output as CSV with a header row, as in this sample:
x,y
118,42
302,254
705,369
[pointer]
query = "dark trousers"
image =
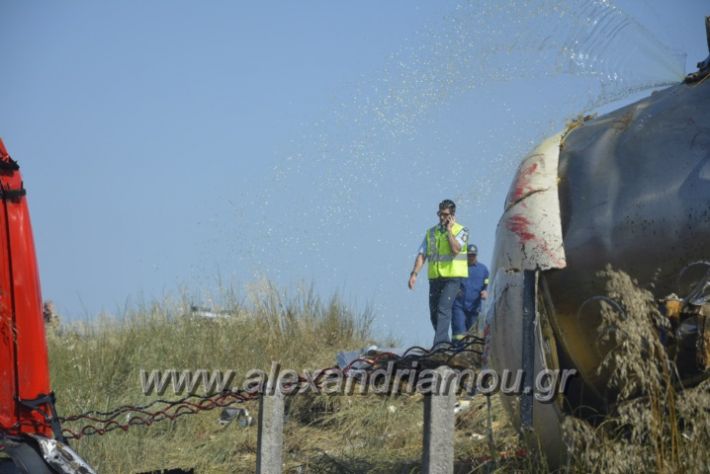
x,y
442,293
463,319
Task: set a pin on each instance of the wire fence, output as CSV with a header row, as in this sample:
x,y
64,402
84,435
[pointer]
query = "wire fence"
x,y
93,422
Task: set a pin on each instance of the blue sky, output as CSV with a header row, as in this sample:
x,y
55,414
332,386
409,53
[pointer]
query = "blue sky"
x,y
171,144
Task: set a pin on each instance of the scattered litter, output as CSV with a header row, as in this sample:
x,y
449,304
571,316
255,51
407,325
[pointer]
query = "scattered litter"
x,y
208,313
462,406
344,359
242,416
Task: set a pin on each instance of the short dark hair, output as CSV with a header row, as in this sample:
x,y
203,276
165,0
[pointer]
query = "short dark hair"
x,y
448,204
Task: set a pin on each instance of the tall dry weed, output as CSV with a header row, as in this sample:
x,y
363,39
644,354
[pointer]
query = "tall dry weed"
x,y
656,426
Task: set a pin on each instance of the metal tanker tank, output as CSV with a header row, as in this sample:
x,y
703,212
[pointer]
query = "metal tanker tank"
x,y
630,188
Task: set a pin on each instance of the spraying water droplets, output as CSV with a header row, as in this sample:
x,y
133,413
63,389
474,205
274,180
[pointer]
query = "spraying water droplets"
x,y
363,171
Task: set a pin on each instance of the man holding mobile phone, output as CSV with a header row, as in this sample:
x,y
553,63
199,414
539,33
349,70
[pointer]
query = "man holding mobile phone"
x,y
444,246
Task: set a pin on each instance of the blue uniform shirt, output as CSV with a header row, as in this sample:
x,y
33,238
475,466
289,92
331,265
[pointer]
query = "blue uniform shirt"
x,y
470,295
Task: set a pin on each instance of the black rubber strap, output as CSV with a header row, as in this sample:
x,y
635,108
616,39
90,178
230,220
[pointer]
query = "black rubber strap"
x,y
12,194
52,417
9,165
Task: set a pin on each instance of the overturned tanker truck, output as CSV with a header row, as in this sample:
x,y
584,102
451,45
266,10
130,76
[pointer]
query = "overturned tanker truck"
x,y
630,189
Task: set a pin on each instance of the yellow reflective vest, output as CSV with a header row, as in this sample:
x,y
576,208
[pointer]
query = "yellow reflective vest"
x,y
442,262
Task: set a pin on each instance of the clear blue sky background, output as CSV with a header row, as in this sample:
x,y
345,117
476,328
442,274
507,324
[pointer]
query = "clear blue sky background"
x,y
172,143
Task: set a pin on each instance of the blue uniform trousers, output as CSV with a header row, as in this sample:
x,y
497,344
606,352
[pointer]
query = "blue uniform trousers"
x,y
463,319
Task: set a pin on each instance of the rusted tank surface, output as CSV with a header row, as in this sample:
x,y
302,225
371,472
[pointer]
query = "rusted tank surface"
x,y
630,188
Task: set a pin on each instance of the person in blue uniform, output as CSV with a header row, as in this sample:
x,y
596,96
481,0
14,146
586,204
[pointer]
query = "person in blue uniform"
x,y
474,289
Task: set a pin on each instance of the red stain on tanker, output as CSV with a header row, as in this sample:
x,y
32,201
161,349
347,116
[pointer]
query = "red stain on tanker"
x,y
522,184
520,225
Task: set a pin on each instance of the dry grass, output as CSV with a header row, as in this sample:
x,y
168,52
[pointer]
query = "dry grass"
x,y
95,367
657,426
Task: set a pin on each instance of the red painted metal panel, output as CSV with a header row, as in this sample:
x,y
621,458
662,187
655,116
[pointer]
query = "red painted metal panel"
x,y
24,365
8,382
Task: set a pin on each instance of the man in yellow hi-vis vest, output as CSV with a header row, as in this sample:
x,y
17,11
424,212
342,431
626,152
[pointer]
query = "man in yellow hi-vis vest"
x,y
444,246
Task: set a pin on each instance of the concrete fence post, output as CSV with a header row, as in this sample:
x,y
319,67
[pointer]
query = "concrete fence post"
x,y
270,434
439,421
